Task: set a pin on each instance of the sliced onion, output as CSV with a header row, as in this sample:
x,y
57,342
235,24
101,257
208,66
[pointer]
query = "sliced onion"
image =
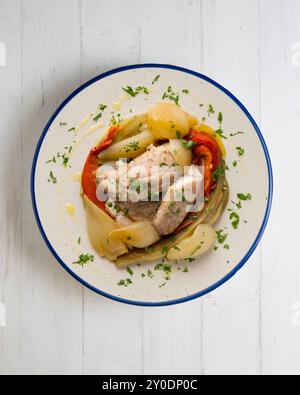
x,y
139,235
167,119
198,244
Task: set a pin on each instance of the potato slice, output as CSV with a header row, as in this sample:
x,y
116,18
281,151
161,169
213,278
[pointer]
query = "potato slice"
x,y
129,148
200,242
167,119
139,235
99,226
183,156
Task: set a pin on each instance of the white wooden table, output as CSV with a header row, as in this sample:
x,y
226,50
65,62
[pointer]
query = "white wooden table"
x,y
249,326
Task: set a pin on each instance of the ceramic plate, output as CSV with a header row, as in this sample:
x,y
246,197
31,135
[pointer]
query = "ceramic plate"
x,y
72,125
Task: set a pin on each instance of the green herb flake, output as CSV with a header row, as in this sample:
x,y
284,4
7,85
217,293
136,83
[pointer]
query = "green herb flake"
x,y
217,173
150,274
165,250
235,220
244,197
220,133
149,250
156,79
220,118
63,124
185,270
125,283
84,259
240,151
190,260
134,146
171,95
129,270
227,247
236,134
234,163
134,92
221,236
52,178
210,110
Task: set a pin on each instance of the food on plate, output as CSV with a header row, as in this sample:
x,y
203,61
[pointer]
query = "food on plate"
x,y
154,186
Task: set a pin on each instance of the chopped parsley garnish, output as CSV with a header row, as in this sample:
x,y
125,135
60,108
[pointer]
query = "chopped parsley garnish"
x,y
236,133
150,274
220,118
185,270
198,248
84,259
210,110
221,236
52,178
188,144
159,266
240,151
125,283
63,124
72,129
134,146
149,250
244,197
165,250
129,270
126,211
51,160
190,260
235,220
220,133
115,119
101,108
162,285
156,79
226,246
186,91
234,163
239,205
79,240
171,95
217,173
134,92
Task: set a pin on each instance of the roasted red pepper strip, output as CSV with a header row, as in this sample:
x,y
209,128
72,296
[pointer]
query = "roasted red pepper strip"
x,y
88,181
204,139
107,142
206,152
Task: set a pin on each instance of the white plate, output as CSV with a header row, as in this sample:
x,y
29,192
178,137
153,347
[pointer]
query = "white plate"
x,y
253,174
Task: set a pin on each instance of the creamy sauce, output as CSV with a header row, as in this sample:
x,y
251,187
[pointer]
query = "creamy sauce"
x,y
77,177
94,128
118,104
70,209
84,122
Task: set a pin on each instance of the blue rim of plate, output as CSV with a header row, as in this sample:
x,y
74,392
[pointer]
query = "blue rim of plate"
x,y
256,241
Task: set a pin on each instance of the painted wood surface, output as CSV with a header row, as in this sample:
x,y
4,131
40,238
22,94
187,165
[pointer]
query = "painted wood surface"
x,y
250,325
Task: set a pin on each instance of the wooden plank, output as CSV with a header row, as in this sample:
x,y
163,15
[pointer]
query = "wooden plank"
x,y
112,332
11,189
281,116
51,300
231,320
172,342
